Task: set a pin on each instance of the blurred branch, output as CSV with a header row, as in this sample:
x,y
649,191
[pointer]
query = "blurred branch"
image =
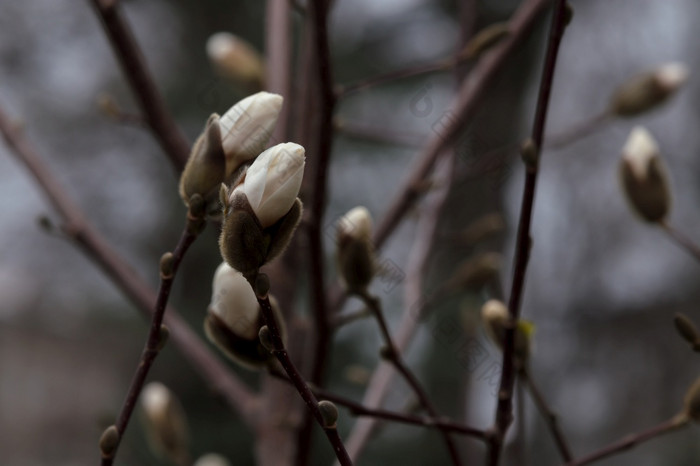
x,y
681,239
200,357
549,416
154,343
391,353
504,409
261,286
631,441
141,82
374,134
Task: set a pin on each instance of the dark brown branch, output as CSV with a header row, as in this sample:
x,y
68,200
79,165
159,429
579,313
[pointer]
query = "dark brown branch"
x,y
134,287
358,409
141,82
280,352
631,441
681,239
153,343
504,409
549,416
392,354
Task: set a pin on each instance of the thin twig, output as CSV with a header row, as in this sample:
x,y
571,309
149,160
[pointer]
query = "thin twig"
x,y
141,82
280,352
391,353
504,409
358,409
153,342
681,239
549,416
134,287
631,441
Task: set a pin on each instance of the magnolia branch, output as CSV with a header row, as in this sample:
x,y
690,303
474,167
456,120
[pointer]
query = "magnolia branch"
x,y
391,353
169,265
261,286
141,82
504,409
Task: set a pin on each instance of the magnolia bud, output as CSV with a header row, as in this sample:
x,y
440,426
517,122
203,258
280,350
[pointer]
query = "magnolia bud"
x,y
165,422
355,252
647,90
272,182
236,59
234,319
205,168
212,459
246,128
644,177
329,413
497,318
692,402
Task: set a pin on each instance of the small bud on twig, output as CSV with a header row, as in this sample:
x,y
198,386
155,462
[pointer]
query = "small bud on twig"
x,y
644,176
236,59
109,441
496,318
530,154
265,338
329,413
355,254
163,336
166,266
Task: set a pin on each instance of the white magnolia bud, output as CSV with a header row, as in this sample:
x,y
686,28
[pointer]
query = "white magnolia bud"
x,y
234,302
354,249
236,59
165,421
647,90
212,459
496,318
272,182
644,177
247,126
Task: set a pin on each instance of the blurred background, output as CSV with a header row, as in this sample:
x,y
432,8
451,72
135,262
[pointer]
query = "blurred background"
x,y
602,286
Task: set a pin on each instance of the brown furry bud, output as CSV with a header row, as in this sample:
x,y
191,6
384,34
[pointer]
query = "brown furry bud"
x,y
644,176
166,266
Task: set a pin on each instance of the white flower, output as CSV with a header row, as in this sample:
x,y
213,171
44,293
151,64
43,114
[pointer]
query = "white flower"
x,y
272,182
247,126
234,302
357,223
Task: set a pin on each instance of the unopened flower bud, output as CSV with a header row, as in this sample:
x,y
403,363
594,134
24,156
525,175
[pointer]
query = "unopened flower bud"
x,y
246,128
329,413
496,319
212,459
648,90
644,177
356,260
691,407
234,319
205,168
475,272
236,59
165,422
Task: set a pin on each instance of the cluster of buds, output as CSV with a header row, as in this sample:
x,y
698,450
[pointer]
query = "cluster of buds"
x,y
165,423
237,60
356,261
648,90
496,319
234,319
644,178
226,145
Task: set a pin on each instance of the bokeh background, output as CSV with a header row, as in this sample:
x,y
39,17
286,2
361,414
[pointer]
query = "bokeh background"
x,y
602,287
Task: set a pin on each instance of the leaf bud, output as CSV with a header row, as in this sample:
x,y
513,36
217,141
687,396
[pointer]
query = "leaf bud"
x,y
355,253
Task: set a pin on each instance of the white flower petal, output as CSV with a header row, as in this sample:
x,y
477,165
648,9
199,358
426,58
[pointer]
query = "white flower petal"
x,y
234,301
